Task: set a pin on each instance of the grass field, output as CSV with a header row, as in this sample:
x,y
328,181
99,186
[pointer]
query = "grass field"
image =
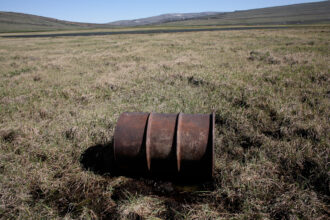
x,y
269,88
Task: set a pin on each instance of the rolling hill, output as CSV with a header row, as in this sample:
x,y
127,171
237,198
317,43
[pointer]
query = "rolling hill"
x,y
307,13
12,22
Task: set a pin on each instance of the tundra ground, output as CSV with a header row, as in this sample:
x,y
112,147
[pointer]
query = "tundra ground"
x,y
60,99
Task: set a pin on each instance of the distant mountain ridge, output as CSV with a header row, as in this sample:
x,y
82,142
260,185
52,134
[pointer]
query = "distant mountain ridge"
x,y
161,19
306,13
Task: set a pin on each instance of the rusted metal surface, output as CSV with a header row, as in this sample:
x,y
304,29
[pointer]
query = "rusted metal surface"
x,y
129,142
194,145
172,145
160,145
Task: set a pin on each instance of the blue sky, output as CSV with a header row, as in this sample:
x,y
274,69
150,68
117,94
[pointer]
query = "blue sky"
x,y
101,11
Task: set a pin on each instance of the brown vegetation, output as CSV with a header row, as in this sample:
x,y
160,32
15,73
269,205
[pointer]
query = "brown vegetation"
x,y
270,90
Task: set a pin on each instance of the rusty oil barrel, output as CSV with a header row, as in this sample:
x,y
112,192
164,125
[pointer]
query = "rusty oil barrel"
x,y
170,145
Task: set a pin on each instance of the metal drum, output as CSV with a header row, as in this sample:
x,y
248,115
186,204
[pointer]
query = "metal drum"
x,y
170,145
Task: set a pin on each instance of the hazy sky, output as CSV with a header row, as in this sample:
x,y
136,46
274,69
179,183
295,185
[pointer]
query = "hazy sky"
x,y
101,11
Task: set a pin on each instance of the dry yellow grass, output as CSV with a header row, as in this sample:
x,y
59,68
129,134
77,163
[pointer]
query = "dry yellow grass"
x,y
270,90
